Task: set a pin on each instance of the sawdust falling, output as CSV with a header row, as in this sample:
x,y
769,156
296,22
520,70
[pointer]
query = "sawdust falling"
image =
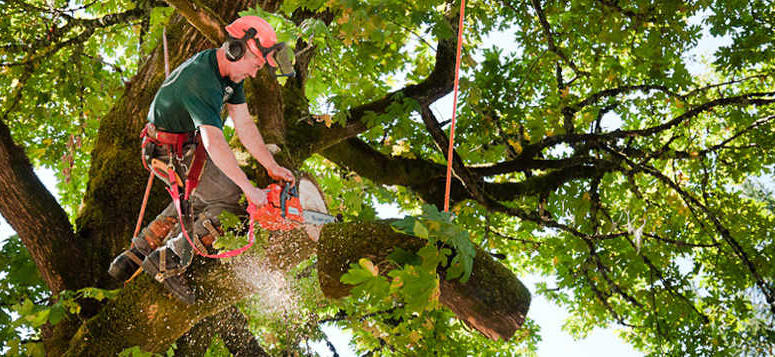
x,y
272,290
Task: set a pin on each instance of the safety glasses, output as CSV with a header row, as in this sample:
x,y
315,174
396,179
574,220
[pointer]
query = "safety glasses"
x,y
280,56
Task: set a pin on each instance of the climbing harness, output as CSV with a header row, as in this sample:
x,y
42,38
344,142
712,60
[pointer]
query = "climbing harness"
x,y
177,175
454,105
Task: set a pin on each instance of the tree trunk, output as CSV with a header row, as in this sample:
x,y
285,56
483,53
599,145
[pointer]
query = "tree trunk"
x,y
493,301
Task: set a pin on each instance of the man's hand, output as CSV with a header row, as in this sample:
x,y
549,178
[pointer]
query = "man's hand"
x,y
255,195
280,173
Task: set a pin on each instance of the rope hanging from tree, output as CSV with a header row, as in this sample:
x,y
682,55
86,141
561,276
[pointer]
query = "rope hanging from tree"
x,y
454,105
150,177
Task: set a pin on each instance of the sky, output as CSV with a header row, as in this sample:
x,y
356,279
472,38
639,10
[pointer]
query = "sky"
x,y
550,317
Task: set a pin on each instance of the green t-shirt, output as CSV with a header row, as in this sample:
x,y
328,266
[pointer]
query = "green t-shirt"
x,y
193,95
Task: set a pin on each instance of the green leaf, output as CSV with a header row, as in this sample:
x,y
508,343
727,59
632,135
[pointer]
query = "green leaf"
x,y
419,230
134,351
57,314
99,294
405,225
35,349
402,256
39,318
356,275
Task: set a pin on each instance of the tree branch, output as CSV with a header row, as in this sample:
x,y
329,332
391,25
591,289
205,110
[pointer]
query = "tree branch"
x,y
604,300
438,83
207,22
592,99
89,25
525,163
550,38
471,182
737,248
427,178
742,100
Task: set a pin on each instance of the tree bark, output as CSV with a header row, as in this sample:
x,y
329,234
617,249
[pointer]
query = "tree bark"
x,y
493,301
146,315
231,326
36,217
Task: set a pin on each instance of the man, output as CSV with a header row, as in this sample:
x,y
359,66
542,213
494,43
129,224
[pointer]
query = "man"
x,y
190,101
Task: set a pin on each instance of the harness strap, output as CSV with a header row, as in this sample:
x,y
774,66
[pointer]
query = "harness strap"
x,y
175,140
175,143
175,193
195,172
134,258
162,265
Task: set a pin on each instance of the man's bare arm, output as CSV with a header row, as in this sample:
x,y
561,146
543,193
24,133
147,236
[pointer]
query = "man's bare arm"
x,y
222,156
251,138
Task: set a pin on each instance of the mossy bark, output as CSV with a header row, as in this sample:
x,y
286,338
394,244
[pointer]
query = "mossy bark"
x,y
493,301
231,326
146,315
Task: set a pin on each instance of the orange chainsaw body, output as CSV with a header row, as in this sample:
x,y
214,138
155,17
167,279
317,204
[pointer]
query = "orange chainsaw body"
x,y
283,209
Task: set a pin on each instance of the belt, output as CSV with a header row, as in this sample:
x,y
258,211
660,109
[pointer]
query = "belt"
x,y
174,140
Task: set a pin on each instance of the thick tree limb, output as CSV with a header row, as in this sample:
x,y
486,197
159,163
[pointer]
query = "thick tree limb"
x,y
427,179
525,163
548,182
493,301
145,315
37,218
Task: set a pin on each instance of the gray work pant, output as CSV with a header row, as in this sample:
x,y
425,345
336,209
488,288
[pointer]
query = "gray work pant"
x,y
214,194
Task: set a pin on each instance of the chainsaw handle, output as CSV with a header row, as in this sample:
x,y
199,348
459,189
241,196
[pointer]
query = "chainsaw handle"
x,y
287,191
283,198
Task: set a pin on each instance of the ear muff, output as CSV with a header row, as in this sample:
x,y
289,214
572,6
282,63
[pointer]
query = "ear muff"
x,y
236,47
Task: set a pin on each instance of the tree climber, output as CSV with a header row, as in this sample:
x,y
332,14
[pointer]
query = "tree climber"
x,y
184,131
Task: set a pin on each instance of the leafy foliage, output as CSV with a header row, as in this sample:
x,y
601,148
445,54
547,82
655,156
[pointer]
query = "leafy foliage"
x,y
613,142
400,314
438,228
26,305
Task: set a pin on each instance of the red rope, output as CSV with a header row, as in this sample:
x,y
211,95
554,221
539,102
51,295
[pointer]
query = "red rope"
x,y
173,191
454,105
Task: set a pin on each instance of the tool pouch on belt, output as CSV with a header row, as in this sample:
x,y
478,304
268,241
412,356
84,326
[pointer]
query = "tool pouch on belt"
x,y
182,151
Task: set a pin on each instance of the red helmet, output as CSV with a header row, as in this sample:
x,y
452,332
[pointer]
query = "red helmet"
x,y
264,34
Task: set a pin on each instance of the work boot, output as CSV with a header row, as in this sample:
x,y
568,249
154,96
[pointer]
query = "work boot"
x,y
125,265
170,274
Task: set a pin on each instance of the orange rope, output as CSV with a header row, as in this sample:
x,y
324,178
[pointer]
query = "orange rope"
x,y
142,207
454,105
150,178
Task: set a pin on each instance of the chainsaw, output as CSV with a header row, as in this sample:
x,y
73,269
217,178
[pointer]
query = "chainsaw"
x,y
283,210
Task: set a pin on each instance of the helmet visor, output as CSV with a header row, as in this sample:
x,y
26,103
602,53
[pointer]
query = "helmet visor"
x,y
281,57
